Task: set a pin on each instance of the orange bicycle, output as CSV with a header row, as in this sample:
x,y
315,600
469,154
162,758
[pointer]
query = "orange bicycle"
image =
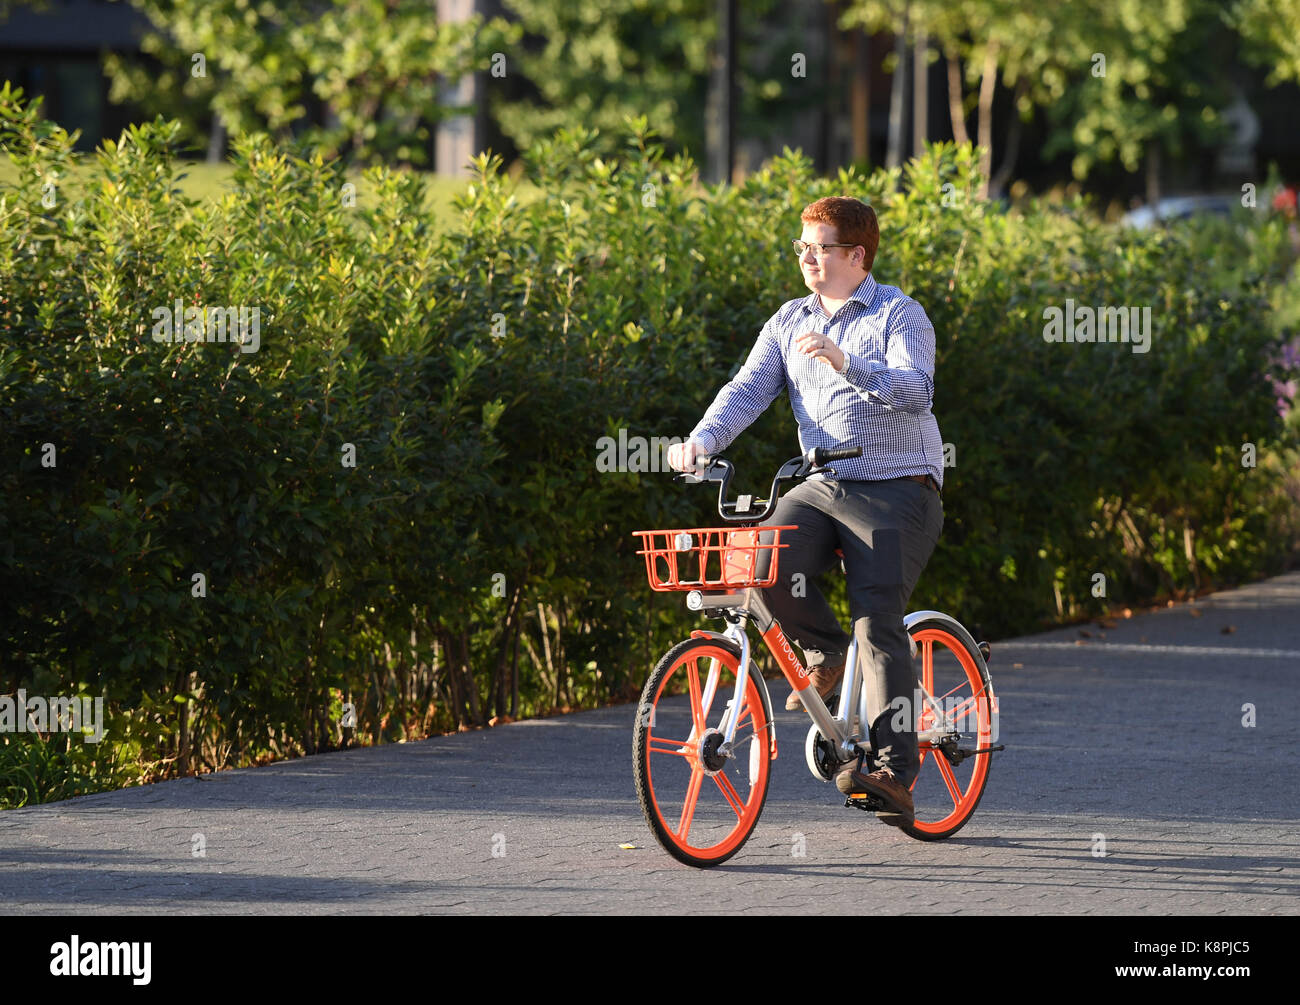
x,y
704,737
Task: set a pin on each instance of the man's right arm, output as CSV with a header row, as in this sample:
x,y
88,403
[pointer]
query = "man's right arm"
x,y
743,398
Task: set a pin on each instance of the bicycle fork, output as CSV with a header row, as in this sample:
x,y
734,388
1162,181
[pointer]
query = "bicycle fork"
x,y
737,635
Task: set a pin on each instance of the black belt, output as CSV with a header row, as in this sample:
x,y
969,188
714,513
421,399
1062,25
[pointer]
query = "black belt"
x,y
926,480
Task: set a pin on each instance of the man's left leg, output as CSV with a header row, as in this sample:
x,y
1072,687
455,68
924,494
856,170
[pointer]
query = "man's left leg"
x,y
890,531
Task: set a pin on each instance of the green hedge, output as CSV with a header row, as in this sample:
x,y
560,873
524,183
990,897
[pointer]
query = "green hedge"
x,y
475,563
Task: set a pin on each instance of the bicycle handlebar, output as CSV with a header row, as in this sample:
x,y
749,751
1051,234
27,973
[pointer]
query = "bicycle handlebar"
x,y
717,468
820,455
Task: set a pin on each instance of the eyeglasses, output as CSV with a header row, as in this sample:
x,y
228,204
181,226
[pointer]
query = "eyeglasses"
x,y
818,250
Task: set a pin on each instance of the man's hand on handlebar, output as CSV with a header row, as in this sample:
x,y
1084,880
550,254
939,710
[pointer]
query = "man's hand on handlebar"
x,y
685,456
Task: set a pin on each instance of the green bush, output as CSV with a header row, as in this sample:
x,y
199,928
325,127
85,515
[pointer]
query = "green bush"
x,y
475,563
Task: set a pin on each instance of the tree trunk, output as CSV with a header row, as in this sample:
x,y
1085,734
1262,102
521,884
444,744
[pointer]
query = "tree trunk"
x,y
834,99
956,109
861,97
920,94
1189,549
721,114
561,660
514,669
501,688
471,685
402,676
1153,174
893,154
183,735
546,651
453,680
988,82
217,139
1003,176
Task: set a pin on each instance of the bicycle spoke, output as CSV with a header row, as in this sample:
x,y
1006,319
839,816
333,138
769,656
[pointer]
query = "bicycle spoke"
x,y
959,712
697,710
733,797
949,778
742,754
679,747
688,809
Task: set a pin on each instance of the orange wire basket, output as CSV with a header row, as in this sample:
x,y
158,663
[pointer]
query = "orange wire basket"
x,y
708,558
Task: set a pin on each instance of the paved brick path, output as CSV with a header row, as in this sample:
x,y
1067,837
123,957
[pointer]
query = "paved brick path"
x,y
1201,815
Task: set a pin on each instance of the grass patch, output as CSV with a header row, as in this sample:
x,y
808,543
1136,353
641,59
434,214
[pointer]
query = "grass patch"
x,y
207,183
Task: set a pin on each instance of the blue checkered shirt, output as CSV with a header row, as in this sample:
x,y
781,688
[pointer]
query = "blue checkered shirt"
x,y
882,403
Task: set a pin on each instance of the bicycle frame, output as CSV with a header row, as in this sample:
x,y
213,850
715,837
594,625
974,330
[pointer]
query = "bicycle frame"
x,y
843,728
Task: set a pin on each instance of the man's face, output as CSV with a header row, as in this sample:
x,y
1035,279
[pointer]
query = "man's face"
x,y
835,270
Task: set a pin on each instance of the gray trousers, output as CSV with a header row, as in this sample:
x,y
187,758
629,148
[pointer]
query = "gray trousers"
x,y
887,531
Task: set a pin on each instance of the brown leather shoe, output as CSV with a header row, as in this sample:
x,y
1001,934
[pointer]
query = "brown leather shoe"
x,y
884,786
824,679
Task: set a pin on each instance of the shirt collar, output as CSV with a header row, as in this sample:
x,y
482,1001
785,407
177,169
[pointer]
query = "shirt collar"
x,y
863,294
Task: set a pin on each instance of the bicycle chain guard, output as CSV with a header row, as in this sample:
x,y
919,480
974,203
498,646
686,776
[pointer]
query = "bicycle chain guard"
x,y
819,755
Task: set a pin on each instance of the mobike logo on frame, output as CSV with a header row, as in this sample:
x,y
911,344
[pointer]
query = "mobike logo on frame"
x,y
777,640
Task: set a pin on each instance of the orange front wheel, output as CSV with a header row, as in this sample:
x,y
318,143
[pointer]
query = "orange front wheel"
x,y
701,804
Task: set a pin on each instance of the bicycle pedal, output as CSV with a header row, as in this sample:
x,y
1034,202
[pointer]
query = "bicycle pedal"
x,y
866,801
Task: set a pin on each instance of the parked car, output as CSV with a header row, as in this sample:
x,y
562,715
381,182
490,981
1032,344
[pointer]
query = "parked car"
x,y
1180,208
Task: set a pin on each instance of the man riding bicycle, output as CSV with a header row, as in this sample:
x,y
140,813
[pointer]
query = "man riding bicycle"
x,y
857,359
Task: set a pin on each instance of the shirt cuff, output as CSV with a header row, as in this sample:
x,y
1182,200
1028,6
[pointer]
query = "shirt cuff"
x,y
845,367
859,371
707,441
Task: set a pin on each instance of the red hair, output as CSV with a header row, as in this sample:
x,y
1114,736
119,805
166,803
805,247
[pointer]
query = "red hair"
x,y
854,222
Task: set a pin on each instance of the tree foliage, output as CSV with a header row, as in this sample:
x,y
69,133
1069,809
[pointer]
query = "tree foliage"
x,y
373,68
1271,30
593,63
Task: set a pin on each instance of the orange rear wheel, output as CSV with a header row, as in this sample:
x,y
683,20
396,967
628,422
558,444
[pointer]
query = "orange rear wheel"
x,y
962,718
701,805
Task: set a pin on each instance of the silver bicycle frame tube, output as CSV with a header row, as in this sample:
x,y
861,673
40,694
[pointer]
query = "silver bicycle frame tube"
x,y
851,696
710,687
731,717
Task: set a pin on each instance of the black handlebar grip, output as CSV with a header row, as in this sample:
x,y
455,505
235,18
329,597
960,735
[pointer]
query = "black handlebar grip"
x,y
822,456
